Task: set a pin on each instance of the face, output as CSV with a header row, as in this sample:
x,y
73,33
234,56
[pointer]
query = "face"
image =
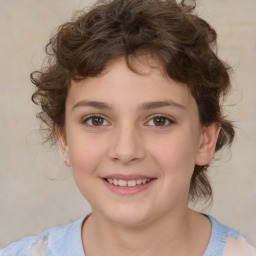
x,y
132,141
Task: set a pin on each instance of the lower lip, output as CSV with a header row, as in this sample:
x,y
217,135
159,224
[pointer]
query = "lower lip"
x,y
128,190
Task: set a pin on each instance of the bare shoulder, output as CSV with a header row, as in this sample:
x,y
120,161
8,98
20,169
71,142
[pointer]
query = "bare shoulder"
x,y
237,247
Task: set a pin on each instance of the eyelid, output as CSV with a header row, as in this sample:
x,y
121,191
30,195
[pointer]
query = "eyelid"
x,y
169,119
85,119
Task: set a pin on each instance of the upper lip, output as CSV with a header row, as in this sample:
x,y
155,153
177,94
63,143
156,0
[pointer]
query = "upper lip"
x,y
127,177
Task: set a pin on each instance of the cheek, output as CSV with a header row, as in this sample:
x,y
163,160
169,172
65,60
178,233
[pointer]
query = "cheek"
x,y
175,154
85,155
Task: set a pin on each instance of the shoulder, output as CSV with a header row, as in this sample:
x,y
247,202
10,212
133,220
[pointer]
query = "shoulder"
x,y
238,246
53,240
226,241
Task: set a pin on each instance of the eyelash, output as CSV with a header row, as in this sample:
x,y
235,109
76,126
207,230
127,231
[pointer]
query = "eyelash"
x,y
171,121
167,119
90,118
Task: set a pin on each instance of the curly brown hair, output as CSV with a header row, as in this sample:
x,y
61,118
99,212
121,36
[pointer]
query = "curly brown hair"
x,y
184,44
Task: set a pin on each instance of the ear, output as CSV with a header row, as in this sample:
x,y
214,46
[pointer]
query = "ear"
x,y
207,145
63,144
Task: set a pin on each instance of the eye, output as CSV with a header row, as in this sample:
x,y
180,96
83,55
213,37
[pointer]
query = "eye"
x,y
160,121
95,120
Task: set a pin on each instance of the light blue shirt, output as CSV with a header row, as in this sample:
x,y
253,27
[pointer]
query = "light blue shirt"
x,y
66,241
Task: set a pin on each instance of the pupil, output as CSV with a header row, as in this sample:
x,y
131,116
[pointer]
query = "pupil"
x,y
159,121
97,121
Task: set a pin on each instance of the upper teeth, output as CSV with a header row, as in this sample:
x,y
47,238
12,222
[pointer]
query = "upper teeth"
x,y
129,183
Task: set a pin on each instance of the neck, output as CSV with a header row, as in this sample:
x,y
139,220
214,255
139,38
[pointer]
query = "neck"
x,y
164,236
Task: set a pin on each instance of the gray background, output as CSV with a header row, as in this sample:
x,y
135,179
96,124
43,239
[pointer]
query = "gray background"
x,y
37,190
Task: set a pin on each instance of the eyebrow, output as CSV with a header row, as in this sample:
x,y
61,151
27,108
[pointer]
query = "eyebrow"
x,y
95,104
144,106
159,104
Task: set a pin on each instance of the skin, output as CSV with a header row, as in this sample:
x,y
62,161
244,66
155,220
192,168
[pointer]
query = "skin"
x,y
128,139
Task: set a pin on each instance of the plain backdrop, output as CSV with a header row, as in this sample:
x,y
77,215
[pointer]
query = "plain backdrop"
x,y
37,190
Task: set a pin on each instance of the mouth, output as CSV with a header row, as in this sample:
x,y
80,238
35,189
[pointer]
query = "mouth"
x,y
128,183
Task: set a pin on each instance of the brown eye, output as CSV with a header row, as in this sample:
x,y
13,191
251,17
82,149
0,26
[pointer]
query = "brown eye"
x,y
159,121
95,121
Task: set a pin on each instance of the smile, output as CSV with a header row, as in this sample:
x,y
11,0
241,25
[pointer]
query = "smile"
x,y
128,183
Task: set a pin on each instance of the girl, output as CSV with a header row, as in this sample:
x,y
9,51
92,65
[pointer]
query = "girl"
x,y
132,93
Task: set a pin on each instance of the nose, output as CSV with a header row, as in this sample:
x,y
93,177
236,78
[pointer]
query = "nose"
x,y
126,145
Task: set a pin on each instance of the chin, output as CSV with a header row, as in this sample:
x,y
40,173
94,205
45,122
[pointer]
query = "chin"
x,y
132,217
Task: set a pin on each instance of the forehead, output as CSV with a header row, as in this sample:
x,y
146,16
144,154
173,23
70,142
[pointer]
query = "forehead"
x,y
119,84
